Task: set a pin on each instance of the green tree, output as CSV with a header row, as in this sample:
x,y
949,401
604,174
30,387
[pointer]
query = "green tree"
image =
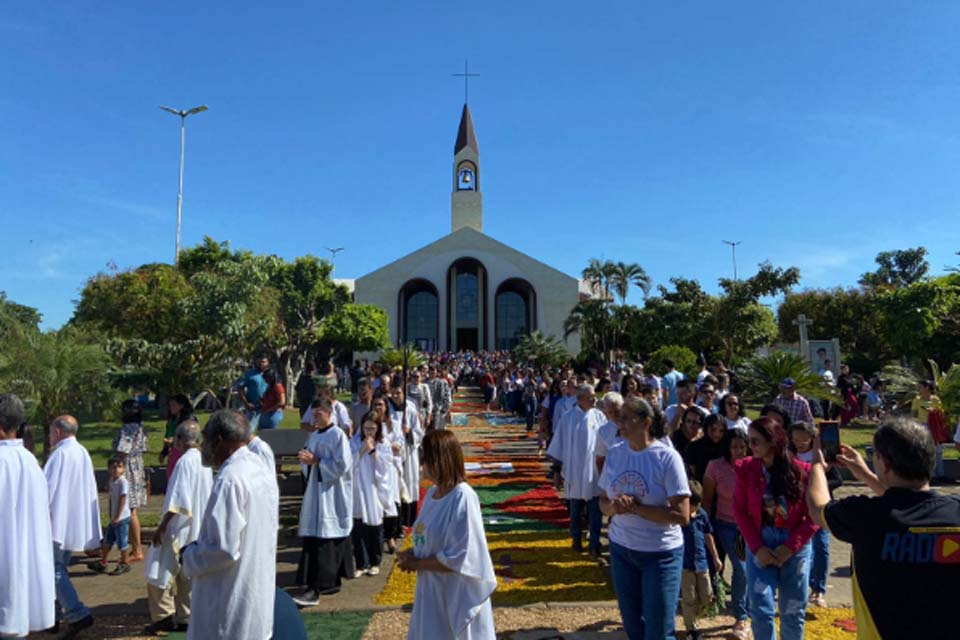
x,y
622,276
898,268
592,319
683,358
540,350
357,327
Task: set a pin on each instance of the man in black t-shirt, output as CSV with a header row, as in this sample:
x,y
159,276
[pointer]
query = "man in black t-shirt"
x,y
906,541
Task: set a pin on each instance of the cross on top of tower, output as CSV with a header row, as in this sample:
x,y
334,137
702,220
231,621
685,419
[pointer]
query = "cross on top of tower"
x,y
466,75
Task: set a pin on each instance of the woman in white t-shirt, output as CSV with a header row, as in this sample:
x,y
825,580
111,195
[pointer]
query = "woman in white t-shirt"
x,y
645,492
455,577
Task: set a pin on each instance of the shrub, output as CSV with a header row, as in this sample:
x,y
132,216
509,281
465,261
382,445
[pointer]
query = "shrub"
x,y
683,358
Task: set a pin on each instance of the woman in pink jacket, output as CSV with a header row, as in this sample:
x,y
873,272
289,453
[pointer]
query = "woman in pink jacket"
x,y
770,508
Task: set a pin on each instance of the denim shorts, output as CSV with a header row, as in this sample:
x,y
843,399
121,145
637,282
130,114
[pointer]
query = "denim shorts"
x,y
119,534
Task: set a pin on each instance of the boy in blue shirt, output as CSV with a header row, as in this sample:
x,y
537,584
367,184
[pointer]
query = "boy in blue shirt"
x,y
698,542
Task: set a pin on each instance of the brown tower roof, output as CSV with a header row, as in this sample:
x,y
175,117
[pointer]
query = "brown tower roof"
x,y
465,135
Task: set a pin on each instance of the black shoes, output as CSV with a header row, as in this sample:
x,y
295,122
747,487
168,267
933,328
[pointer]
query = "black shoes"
x,y
75,628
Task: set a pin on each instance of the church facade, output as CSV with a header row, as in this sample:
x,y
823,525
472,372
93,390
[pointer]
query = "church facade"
x,y
467,291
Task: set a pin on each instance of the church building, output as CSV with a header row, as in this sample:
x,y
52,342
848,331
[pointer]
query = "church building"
x,y
467,291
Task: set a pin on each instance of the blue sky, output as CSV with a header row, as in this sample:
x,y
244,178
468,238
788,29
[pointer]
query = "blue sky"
x,y
818,134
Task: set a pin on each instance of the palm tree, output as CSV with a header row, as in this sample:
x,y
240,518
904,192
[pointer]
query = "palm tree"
x,y
592,320
622,275
599,274
540,350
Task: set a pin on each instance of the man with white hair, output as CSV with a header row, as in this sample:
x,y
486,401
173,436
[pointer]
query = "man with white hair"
x,y
574,447
188,491
609,433
233,561
27,592
74,514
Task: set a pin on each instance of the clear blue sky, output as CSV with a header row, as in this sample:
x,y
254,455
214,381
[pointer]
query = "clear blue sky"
x,y
817,133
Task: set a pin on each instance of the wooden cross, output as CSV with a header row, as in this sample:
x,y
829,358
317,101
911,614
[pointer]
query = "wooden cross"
x,y
466,75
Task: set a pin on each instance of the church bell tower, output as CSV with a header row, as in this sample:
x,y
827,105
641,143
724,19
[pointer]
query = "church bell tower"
x,y
466,201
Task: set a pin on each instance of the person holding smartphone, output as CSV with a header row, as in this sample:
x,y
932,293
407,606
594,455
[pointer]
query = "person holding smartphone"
x,y
905,536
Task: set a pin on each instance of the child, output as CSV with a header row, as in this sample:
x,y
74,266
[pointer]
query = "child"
x,y
373,458
802,437
698,542
119,525
875,401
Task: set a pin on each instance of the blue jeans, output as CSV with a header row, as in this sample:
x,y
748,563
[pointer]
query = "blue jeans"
x,y
253,417
938,470
594,518
790,580
821,561
727,535
69,605
647,586
269,420
530,408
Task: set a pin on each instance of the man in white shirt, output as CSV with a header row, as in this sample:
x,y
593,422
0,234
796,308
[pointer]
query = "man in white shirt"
x,y
574,445
74,514
168,590
233,561
27,592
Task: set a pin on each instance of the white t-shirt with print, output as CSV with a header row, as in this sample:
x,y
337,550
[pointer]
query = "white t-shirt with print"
x,y
652,476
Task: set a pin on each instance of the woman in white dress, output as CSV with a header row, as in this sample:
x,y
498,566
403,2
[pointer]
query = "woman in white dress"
x,y
455,577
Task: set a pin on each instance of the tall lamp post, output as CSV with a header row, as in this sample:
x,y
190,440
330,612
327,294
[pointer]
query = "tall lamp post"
x,y
333,257
733,245
183,122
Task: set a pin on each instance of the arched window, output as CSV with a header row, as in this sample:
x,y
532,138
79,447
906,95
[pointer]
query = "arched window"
x,y
515,306
419,315
466,305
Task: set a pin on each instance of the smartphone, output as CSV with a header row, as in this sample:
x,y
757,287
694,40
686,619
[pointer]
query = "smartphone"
x,y
830,440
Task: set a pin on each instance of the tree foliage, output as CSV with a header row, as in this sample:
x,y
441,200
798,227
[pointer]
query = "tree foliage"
x,y
357,327
540,350
683,358
898,268
760,378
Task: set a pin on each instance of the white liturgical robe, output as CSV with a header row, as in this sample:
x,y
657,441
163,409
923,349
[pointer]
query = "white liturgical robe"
x,y
327,509
188,492
411,446
26,554
264,451
72,487
456,604
233,562
371,481
574,446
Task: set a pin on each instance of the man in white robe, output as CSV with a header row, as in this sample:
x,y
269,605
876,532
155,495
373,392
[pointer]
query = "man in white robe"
x,y
188,491
326,515
74,514
27,591
405,424
232,564
574,446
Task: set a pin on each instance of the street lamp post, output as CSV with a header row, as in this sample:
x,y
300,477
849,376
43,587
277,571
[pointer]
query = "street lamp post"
x,y
183,122
733,245
333,257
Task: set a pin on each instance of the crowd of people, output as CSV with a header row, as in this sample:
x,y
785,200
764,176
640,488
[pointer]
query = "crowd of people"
x,y
686,481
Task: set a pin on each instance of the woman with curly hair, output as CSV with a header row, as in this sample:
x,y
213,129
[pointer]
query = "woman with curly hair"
x,y
770,508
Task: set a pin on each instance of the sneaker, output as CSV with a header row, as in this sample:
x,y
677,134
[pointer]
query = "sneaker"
x,y
310,598
75,628
97,566
372,571
818,600
741,630
357,573
120,569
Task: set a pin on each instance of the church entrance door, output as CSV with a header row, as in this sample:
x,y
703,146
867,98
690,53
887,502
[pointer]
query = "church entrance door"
x,y
467,339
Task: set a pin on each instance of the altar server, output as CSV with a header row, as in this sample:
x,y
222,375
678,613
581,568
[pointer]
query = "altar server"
x,y
27,592
233,561
372,465
405,423
189,489
74,513
455,577
574,446
326,515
